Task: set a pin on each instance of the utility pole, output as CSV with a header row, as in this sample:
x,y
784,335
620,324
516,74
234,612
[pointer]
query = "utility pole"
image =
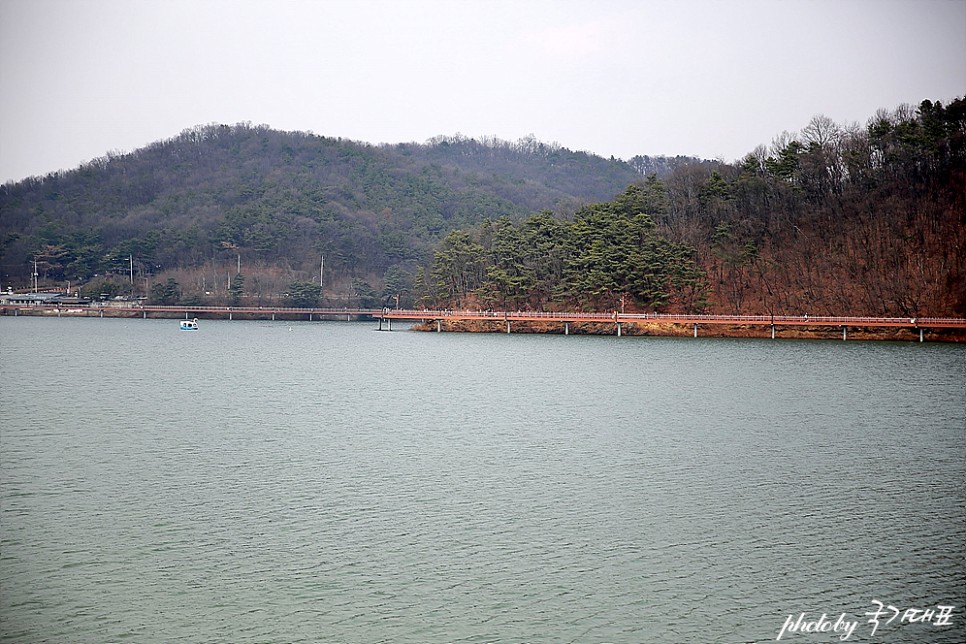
x,y
131,260
35,275
322,271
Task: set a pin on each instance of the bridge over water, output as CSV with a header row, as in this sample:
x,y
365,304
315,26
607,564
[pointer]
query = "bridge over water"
x,y
619,320
508,318
227,312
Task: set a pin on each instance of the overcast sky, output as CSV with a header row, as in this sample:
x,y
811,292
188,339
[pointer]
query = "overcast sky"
x,y
79,78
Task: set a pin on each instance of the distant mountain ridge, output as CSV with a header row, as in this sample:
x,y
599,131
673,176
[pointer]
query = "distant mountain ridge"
x,y
222,192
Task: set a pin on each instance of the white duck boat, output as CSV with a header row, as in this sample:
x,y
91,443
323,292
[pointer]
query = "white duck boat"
x,y
189,325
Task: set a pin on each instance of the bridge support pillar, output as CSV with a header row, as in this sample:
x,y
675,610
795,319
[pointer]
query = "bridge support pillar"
x,y
845,332
229,316
439,326
310,317
273,316
507,326
695,329
389,324
772,331
618,329
144,315
566,328
920,334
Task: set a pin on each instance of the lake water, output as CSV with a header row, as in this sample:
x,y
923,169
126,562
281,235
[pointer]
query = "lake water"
x,y
325,482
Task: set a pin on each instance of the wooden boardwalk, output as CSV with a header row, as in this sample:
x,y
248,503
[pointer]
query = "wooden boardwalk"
x,y
508,318
695,321
667,318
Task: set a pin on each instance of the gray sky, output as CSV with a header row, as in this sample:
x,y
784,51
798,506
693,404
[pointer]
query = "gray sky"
x,y
79,78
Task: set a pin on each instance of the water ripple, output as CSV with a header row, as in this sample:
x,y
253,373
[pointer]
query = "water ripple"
x,y
247,485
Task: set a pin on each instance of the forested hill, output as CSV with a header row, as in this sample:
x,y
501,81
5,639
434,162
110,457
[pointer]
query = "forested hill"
x,y
223,197
833,220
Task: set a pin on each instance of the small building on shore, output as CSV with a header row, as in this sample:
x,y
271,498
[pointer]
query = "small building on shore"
x,y
28,299
42,299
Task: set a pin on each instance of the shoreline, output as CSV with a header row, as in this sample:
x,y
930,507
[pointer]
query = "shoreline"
x,y
635,328
674,330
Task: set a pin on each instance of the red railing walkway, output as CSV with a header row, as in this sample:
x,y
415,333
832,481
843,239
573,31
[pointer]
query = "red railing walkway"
x,y
620,319
386,316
